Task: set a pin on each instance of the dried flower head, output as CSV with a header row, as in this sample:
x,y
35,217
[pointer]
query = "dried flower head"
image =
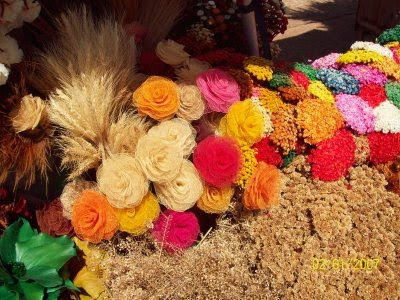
x,y
285,128
318,119
183,191
122,180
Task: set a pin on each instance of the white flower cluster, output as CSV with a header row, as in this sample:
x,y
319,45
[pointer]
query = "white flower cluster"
x,y
13,14
372,47
387,118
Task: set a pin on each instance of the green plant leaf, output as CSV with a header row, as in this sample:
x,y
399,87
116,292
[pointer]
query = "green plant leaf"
x,y
32,291
53,295
44,276
18,231
5,277
45,251
7,294
8,240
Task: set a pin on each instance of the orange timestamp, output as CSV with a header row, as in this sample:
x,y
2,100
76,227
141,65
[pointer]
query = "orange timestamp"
x,y
345,264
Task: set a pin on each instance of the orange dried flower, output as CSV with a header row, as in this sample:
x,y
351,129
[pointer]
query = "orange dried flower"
x,y
157,97
93,217
294,93
263,188
285,128
318,119
245,82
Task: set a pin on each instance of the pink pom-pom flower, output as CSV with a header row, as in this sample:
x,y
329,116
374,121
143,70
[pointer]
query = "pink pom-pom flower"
x,y
356,112
218,160
176,230
219,89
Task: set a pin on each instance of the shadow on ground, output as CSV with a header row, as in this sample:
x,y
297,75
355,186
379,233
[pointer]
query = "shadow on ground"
x,y
317,28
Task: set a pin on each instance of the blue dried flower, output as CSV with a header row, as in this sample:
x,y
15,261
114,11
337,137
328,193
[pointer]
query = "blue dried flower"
x,y
338,81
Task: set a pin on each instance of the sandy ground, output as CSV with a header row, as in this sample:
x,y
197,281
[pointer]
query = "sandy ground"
x,y
317,27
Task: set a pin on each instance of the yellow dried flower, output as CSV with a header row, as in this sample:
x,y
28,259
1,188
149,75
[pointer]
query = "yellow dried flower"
x,y
243,122
139,219
319,90
249,164
258,67
359,56
271,100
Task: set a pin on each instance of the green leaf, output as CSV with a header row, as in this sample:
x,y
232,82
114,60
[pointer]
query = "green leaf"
x,y
7,294
69,284
4,275
8,240
26,232
18,231
45,251
32,291
53,295
44,276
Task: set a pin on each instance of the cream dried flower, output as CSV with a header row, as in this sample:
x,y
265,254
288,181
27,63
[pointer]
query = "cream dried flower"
x,y
160,159
171,52
122,180
124,134
176,131
29,114
10,53
4,72
183,192
71,192
190,69
192,105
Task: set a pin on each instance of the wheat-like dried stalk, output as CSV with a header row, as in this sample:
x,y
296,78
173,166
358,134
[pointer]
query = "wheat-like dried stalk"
x,y
87,45
93,63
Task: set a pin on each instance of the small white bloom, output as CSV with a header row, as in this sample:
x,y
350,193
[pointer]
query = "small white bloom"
x,y
31,11
372,47
387,118
12,9
4,72
10,53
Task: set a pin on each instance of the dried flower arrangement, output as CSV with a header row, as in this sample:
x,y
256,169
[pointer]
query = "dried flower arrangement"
x,y
152,159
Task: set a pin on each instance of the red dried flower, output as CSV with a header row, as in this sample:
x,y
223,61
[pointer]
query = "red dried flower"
x,y
373,94
299,78
51,220
333,157
267,152
384,147
218,160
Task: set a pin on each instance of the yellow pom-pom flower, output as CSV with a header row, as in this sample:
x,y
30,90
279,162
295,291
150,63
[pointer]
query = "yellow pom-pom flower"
x,y
244,123
249,164
319,90
258,67
137,220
